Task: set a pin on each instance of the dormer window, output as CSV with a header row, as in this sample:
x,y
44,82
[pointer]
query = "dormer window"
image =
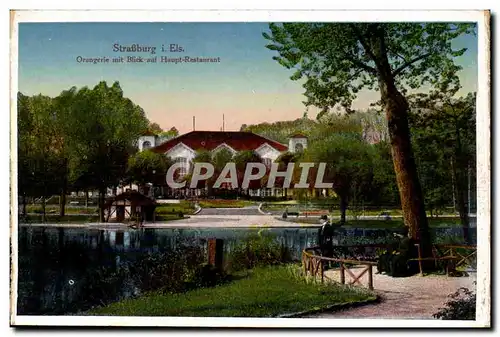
x,y
299,147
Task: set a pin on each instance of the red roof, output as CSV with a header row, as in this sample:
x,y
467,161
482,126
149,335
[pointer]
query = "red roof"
x,y
298,135
209,140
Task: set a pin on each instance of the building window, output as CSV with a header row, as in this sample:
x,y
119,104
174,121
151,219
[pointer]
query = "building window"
x,y
299,147
146,145
183,170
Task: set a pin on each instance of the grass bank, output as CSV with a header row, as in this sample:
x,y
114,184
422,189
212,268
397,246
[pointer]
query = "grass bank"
x,y
260,292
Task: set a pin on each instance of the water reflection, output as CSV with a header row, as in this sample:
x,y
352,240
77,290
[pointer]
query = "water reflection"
x,y
56,264
58,267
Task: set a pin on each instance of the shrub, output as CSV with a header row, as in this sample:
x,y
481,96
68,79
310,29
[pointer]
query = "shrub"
x,y
258,249
207,275
461,306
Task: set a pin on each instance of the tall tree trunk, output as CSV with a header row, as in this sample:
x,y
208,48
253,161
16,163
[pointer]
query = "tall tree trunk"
x,y
86,198
62,203
461,193
102,193
43,209
410,191
460,175
343,209
396,108
24,205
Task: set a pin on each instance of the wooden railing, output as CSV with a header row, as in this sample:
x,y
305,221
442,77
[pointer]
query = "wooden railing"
x,y
464,253
314,265
454,255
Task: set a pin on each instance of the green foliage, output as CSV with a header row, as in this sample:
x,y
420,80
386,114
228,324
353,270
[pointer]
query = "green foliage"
x,y
79,140
384,190
258,249
183,207
105,127
147,167
444,134
282,130
41,147
338,60
155,128
173,132
349,164
461,306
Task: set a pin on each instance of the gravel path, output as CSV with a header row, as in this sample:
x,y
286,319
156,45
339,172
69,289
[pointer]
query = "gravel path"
x,y
416,297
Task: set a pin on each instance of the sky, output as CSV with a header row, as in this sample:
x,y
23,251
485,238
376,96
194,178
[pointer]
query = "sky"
x,y
247,86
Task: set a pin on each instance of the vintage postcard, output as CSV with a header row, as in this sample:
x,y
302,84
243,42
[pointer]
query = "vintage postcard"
x,y
250,169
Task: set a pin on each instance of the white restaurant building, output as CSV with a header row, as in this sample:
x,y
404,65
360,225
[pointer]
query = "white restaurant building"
x,y
183,149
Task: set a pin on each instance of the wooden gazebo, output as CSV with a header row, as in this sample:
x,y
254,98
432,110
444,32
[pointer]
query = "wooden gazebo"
x,y
130,205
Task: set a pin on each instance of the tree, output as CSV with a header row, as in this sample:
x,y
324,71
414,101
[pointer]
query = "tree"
x,y
384,190
241,159
25,173
282,130
155,128
283,160
173,132
42,169
203,156
444,131
349,166
147,167
105,127
219,160
337,60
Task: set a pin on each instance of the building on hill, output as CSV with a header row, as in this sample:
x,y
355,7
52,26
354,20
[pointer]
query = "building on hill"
x,y
297,142
149,140
184,148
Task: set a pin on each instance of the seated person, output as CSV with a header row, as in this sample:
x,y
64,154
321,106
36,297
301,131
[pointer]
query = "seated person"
x,y
395,261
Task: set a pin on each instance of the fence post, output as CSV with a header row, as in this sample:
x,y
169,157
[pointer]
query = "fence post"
x,y
322,270
370,277
215,253
342,273
419,259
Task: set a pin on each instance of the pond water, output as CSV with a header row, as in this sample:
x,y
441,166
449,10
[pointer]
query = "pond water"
x,y
58,267
54,263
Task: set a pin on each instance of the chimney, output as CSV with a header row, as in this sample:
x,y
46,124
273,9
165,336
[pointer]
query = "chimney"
x,y
194,118
223,123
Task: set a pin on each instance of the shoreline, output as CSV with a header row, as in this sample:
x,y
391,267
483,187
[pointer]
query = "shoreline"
x,y
167,226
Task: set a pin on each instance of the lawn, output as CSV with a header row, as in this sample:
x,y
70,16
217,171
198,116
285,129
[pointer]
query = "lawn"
x,y
183,207
261,292
55,218
224,203
82,218
390,224
297,206
54,209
